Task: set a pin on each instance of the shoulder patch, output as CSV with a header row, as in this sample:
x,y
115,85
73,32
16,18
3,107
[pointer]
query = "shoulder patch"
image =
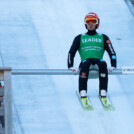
x,y
108,42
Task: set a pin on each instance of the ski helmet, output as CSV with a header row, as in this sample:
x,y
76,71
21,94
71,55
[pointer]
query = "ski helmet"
x,y
92,15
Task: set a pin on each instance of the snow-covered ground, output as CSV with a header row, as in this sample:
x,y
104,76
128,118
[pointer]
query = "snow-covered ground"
x,y
37,34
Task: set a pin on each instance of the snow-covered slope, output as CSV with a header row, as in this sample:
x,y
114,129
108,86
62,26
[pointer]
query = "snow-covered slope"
x,y
38,34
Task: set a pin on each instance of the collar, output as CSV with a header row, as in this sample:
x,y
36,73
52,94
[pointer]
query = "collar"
x,y
92,32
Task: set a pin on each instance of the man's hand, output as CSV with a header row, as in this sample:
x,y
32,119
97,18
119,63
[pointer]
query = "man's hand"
x,y
74,69
110,69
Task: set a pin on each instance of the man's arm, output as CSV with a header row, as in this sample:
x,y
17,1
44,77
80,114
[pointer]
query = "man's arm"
x,y
109,48
73,50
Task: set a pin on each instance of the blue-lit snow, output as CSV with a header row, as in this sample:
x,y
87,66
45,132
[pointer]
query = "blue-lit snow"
x,y
37,34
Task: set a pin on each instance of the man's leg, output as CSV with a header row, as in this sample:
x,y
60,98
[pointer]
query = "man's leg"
x,y
103,78
83,77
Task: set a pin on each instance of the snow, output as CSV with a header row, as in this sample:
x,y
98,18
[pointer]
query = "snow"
x,y
38,34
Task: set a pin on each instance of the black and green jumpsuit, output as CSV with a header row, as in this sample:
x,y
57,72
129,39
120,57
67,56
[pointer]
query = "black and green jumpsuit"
x,y
91,47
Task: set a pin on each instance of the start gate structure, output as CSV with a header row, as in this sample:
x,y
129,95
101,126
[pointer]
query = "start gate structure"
x,y
6,125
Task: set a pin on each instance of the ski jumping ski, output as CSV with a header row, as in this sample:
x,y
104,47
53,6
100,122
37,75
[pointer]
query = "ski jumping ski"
x,y
85,102
106,103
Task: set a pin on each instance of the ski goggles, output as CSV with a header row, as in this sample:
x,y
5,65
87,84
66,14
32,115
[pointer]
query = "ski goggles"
x,y
92,20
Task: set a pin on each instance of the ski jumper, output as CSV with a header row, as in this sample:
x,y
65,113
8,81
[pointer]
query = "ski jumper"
x,y
91,47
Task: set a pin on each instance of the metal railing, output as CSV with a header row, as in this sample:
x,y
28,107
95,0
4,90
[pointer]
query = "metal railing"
x,y
93,73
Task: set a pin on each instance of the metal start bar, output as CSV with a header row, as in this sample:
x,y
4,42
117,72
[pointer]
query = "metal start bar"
x,y
57,72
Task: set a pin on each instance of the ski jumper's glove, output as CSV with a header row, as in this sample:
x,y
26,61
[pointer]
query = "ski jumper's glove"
x,y
74,69
110,69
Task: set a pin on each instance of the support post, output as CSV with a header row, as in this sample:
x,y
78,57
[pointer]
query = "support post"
x,y
5,102
8,101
